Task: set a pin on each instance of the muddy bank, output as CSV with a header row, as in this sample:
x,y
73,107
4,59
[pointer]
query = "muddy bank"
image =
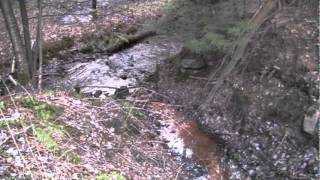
x,y
259,111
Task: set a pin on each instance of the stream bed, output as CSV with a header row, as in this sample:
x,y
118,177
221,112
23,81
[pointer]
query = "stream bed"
x,y
186,142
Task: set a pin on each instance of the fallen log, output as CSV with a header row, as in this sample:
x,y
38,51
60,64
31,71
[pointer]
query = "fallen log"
x,y
127,41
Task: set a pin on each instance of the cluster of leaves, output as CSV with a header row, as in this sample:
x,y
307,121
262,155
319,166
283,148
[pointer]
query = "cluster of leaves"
x,y
210,43
112,176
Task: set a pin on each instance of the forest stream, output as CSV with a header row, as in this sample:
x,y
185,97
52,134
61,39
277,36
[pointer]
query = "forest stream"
x,y
129,93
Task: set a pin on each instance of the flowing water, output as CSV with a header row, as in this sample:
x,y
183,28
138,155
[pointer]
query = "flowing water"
x,y
107,73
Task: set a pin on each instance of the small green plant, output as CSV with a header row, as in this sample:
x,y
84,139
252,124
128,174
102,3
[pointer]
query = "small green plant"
x,y
211,42
239,29
2,105
112,176
45,137
11,123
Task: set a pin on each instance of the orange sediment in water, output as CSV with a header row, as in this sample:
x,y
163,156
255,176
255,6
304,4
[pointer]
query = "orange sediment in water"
x,y
188,140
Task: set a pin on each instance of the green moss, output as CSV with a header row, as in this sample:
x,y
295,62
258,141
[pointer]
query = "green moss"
x,y
41,110
54,47
11,123
210,43
45,137
86,49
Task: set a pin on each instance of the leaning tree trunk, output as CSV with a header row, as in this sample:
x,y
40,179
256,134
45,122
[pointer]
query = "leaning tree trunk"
x,y
16,40
236,52
26,34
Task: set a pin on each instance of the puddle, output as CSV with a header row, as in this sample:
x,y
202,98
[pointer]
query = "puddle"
x,y
186,141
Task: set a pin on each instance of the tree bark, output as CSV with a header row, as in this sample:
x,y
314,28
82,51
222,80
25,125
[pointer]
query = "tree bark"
x,y
40,40
94,9
26,34
16,40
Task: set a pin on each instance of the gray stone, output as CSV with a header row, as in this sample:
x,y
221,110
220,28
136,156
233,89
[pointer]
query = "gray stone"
x,y
122,92
194,64
311,120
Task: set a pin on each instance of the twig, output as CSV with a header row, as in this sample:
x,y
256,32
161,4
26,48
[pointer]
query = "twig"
x,y
4,141
15,143
180,168
26,128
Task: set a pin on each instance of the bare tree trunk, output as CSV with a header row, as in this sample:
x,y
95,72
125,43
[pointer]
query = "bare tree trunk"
x,y
39,37
235,8
94,9
26,34
244,14
16,40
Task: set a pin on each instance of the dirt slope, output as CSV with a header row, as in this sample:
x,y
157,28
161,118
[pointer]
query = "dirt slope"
x,y
259,110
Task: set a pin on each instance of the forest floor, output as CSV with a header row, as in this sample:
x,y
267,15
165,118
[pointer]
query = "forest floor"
x,y
62,135
151,130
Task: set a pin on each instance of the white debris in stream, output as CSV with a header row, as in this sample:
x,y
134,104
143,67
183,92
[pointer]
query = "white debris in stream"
x,y
175,142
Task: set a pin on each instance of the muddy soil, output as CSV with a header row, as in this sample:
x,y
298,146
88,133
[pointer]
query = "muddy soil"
x,y
258,112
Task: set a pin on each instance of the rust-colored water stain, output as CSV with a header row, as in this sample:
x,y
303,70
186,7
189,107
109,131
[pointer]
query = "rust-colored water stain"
x,y
205,149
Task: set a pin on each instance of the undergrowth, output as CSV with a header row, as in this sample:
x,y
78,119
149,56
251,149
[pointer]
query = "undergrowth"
x,y
44,133
45,137
41,110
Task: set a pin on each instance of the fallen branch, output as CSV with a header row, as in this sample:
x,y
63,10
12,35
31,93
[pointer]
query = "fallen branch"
x,y
129,40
